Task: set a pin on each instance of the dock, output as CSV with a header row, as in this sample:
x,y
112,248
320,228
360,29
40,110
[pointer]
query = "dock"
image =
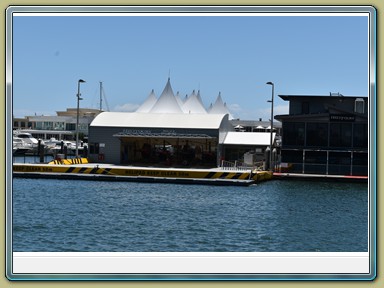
x,y
109,172
349,178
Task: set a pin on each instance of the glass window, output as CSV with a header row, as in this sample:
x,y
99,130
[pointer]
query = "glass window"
x,y
359,105
70,127
316,157
94,148
317,134
293,133
341,135
315,162
292,156
360,136
360,158
339,163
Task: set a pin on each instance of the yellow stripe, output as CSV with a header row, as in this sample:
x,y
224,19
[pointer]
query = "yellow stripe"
x,y
135,172
244,176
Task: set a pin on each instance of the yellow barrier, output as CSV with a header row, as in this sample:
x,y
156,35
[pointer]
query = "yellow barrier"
x,y
259,176
69,161
64,166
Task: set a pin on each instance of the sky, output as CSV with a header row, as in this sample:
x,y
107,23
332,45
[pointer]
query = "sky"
x,y
233,55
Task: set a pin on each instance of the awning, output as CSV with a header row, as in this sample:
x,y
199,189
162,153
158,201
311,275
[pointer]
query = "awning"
x,y
249,138
148,134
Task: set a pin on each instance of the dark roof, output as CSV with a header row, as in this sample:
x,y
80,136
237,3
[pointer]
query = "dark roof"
x,y
254,123
287,97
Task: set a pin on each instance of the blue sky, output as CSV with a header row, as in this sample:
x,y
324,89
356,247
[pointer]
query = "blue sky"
x,y
311,55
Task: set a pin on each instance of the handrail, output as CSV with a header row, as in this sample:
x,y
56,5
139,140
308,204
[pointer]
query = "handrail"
x,y
238,165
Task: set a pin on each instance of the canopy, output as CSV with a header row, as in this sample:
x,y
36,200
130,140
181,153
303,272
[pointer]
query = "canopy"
x,y
249,138
158,120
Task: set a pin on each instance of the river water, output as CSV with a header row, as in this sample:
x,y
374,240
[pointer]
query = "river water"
x,y
274,216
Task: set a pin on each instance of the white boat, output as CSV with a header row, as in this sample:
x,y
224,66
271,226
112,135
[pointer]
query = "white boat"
x,y
24,142
52,143
27,138
55,146
19,147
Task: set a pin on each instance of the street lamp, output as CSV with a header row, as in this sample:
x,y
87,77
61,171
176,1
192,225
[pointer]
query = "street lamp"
x,y
77,116
270,143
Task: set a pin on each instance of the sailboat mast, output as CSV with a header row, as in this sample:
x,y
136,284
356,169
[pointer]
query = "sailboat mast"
x,y
101,95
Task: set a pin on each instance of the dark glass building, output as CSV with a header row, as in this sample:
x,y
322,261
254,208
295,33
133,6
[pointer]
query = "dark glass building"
x,y
325,135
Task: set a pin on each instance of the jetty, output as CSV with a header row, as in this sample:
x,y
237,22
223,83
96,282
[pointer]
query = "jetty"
x,y
316,177
78,170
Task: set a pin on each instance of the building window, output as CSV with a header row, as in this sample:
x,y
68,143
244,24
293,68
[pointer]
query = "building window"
x,y
305,107
70,126
317,134
341,135
94,148
360,136
360,163
39,126
293,157
293,133
315,162
359,105
339,163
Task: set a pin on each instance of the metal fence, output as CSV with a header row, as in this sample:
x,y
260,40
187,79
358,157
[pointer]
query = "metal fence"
x,y
239,165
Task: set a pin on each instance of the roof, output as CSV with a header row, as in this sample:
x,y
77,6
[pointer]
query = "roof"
x,y
158,120
249,138
219,107
255,123
167,102
287,97
194,104
146,134
148,103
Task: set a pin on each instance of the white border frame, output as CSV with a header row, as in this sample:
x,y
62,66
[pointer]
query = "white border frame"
x,y
193,266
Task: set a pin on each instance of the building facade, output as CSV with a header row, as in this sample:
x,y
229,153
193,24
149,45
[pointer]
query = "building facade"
x,y
325,135
172,131
157,138
63,124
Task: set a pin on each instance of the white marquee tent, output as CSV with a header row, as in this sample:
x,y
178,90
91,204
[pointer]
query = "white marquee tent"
x,y
170,103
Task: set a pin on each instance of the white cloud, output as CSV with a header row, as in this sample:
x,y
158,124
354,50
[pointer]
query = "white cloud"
x,y
234,108
128,107
281,109
263,113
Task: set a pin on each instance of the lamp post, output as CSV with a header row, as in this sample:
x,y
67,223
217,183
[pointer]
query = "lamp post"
x,y
270,143
77,116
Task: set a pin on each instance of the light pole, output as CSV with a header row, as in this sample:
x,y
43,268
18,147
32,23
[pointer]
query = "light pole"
x,y
77,116
270,143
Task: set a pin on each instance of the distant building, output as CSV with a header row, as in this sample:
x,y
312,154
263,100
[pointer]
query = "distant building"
x,y
251,139
22,123
325,135
46,127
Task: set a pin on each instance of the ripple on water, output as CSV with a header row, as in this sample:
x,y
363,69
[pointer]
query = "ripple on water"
x,y
284,216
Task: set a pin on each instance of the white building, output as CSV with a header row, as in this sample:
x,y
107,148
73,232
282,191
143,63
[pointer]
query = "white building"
x,y
168,131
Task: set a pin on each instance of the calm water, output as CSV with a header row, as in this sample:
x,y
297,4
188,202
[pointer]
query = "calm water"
x,y
283,216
